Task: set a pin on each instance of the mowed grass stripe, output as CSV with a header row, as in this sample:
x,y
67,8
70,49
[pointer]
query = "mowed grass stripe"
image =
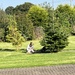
x,y
26,60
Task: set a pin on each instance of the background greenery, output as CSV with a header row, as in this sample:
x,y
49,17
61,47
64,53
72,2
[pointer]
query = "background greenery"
x,y
28,22
14,59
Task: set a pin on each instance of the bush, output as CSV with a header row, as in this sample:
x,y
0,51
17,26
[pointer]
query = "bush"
x,y
55,38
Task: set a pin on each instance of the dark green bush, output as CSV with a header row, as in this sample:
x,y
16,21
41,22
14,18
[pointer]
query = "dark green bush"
x,y
55,38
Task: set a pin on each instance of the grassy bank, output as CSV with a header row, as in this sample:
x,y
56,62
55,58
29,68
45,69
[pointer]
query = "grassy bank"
x,y
37,46
13,59
71,45
18,59
9,46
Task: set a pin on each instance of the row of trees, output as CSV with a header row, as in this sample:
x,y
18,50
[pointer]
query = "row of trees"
x,y
29,21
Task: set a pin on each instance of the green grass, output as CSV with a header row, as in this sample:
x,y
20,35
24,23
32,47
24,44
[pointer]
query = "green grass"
x,y
71,45
17,59
9,46
37,46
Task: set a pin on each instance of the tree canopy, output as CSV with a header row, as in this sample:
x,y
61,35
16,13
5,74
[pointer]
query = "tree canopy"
x,y
38,15
35,21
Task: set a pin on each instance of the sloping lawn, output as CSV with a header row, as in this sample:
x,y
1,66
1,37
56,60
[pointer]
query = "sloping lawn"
x,y
17,59
10,58
9,46
37,46
71,45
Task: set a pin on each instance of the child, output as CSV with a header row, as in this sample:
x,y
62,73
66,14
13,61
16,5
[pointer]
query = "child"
x,y
30,48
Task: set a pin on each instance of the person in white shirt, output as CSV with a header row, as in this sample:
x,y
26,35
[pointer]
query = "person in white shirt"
x,y
30,48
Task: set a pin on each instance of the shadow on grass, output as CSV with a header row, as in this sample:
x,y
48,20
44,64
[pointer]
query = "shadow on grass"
x,y
11,50
35,51
39,51
25,51
44,50
7,49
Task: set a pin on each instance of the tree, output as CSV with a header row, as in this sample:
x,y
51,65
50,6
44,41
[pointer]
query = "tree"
x,y
65,15
9,10
3,25
14,36
25,26
38,15
55,38
23,7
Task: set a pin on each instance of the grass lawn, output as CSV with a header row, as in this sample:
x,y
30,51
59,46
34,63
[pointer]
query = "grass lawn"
x,y
71,45
17,59
8,46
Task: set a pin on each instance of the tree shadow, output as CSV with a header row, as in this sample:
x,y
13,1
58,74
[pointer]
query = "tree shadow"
x,y
43,50
23,50
7,50
40,51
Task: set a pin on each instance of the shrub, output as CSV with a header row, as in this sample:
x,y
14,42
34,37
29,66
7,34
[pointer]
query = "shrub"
x,y
55,38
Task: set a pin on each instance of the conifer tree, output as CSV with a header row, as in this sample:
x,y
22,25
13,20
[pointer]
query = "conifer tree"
x,y
55,38
14,36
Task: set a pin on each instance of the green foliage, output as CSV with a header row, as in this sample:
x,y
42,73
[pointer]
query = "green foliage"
x,y
25,26
1,34
3,25
55,38
9,10
23,7
38,15
57,24
14,35
65,15
20,8
29,29
37,46
18,59
56,35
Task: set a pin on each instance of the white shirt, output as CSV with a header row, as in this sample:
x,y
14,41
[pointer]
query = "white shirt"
x,y
30,49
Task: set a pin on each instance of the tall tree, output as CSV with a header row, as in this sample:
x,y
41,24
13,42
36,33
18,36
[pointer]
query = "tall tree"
x,y
3,25
9,10
25,26
65,15
14,36
23,23
38,15
55,38
23,7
